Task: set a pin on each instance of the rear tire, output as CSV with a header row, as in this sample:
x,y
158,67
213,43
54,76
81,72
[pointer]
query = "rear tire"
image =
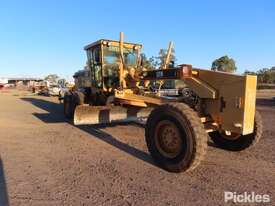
x,y
68,105
79,98
175,137
242,142
71,100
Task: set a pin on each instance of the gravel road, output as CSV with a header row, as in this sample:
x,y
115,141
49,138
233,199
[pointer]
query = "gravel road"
x,y
45,160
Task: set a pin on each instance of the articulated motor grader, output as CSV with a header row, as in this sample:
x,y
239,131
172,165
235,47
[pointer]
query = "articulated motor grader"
x,y
115,87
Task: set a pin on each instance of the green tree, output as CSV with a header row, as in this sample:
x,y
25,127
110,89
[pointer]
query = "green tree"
x,y
149,64
266,75
263,75
160,59
224,64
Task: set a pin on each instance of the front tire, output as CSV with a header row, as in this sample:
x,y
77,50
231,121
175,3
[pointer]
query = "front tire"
x,y
175,137
243,141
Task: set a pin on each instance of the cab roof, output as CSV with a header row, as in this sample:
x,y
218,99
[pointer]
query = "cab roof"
x,y
108,40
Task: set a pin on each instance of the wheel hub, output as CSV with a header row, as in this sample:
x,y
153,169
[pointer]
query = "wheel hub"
x,y
168,139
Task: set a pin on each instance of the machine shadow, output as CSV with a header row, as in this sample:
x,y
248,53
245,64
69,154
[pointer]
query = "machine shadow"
x,y
55,115
4,200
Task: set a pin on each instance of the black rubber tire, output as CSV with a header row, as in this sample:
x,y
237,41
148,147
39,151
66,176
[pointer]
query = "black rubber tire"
x,y
110,100
78,98
68,105
244,141
192,133
71,100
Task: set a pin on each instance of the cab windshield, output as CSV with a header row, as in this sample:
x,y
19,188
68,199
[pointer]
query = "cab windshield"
x,y
112,55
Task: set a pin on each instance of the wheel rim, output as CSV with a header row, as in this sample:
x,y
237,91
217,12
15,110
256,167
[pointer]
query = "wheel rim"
x,y
168,139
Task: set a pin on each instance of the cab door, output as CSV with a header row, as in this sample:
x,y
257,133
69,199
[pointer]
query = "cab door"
x,y
94,56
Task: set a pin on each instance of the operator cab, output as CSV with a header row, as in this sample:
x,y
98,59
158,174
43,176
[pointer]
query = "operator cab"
x,y
104,61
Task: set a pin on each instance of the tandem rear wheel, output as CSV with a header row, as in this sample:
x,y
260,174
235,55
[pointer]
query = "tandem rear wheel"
x,y
71,100
239,142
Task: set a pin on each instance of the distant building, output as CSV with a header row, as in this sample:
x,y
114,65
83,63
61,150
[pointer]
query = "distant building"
x,y
23,81
3,81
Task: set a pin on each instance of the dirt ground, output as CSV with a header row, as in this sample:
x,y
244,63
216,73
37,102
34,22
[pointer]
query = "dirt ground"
x,y
45,160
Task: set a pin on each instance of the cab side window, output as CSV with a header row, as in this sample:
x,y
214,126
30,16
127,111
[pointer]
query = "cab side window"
x,y
96,55
96,66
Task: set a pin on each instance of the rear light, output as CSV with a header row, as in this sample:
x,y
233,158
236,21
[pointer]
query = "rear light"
x,y
186,71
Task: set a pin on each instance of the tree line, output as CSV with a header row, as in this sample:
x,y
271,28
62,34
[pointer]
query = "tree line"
x,y
226,64
265,75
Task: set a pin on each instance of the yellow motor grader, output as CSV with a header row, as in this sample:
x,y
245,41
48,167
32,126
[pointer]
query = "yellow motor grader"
x,y
116,87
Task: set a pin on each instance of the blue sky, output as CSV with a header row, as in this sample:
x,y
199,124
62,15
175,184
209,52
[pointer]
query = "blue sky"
x,y
42,37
